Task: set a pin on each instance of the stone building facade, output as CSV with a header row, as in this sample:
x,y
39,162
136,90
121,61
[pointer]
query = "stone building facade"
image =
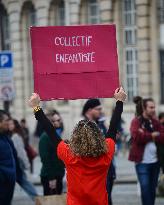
x,y
140,42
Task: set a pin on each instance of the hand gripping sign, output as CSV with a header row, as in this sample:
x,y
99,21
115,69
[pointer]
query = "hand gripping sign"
x,y
74,62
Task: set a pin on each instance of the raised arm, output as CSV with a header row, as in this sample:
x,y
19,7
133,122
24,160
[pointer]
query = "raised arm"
x,y
120,96
40,116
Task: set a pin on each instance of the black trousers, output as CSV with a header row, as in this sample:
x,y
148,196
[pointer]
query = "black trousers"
x,y
46,188
110,187
110,181
6,193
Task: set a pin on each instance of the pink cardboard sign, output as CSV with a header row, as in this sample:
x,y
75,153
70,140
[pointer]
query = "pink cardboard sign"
x,y
74,62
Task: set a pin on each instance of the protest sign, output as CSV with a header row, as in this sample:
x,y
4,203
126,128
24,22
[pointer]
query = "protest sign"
x,y
74,62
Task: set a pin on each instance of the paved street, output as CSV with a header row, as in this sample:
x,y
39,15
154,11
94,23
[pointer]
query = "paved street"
x,y
124,192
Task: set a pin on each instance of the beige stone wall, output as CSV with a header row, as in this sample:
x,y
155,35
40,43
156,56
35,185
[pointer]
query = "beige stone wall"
x,y
154,44
144,49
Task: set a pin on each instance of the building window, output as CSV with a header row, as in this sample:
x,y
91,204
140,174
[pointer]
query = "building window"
x,y
57,13
89,12
4,29
161,11
130,36
131,69
28,18
61,14
32,17
93,12
130,47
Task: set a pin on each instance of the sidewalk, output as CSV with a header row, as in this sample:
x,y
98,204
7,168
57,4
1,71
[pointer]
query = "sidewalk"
x,y
125,190
123,194
125,170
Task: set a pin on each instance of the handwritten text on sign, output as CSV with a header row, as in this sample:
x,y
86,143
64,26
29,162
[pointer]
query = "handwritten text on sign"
x,y
75,41
74,62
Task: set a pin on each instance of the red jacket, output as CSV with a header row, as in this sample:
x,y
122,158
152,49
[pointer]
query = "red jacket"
x,y
86,176
139,140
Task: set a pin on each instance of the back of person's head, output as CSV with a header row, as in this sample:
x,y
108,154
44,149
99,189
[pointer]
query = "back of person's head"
x,y
2,114
87,140
141,104
90,104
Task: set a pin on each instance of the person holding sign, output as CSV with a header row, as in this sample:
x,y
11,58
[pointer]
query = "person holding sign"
x,y
87,156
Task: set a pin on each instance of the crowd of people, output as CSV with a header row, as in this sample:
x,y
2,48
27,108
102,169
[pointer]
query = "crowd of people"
x,y
88,154
87,157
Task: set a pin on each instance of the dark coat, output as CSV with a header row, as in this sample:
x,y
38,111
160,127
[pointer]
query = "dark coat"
x,y
52,166
7,159
10,171
160,151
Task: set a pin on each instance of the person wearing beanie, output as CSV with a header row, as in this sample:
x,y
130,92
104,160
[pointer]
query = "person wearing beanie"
x,y
92,110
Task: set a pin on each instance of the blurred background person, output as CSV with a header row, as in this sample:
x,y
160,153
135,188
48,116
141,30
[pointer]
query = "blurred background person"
x,y
57,121
8,162
31,152
160,150
92,110
161,146
112,170
53,169
25,128
146,133
18,138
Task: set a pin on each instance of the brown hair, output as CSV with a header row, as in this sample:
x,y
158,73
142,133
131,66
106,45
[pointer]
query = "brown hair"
x,y
87,140
18,130
141,104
